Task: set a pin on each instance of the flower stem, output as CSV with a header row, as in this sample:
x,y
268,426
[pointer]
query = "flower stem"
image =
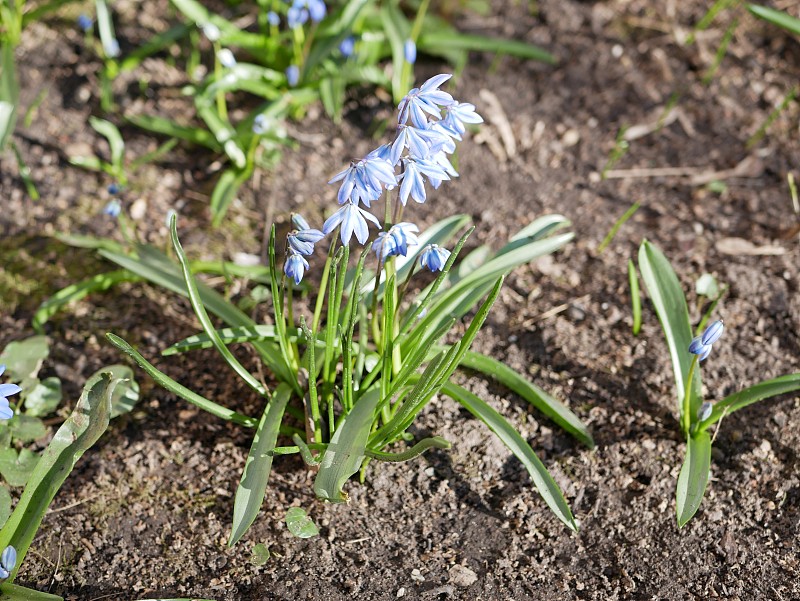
x,y
686,414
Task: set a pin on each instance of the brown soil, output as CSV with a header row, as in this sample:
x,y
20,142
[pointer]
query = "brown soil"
x,y
147,511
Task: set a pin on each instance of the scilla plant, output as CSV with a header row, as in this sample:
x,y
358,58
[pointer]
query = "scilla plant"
x,y
687,351
371,354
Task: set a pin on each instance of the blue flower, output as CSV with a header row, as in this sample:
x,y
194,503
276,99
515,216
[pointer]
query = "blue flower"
x,y
410,51
425,99
226,58
353,220
260,124
434,257
111,48
113,208
295,266
364,179
296,15
301,10
8,561
317,10
85,23
702,344
440,158
113,189
396,241
292,75
347,46
6,390
413,184
705,411
302,239
273,18
421,143
457,115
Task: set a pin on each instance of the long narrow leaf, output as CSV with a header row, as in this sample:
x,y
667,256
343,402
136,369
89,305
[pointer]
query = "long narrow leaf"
x,y
551,407
346,450
776,17
438,42
693,478
753,394
253,485
542,479
667,297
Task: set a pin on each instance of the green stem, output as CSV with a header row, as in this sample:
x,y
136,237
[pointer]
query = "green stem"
x,y
686,413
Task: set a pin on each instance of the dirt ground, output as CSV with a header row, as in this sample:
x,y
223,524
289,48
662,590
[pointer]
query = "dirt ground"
x,y
147,511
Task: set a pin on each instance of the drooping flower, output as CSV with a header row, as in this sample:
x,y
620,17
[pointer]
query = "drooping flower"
x,y
111,48
421,143
113,208
113,188
6,390
317,10
396,241
211,31
364,179
347,46
702,344
296,16
457,115
425,99
226,58
295,266
413,184
410,51
440,158
8,561
301,10
292,75
85,23
303,238
273,18
434,257
705,411
260,124
353,220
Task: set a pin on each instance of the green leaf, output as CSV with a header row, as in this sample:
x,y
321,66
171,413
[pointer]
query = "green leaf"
x,y
126,392
80,431
227,335
167,127
17,468
205,321
178,389
439,42
551,407
636,298
23,359
27,428
13,592
110,132
75,292
667,297
226,189
9,93
397,29
260,555
5,504
346,450
299,524
253,485
776,17
89,163
753,394
693,478
44,398
542,479
154,44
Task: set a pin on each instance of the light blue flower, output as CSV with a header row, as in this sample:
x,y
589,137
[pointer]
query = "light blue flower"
x,y
292,75
425,99
702,344
434,257
413,183
444,139
226,58
6,390
113,188
111,48
353,220
440,158
347,46
113,208
705,411
396,241
211,31
317,10
364,179
260,124
303,238
8,561
295,266
296,16
457,115
273,18
421,143
85,23
410,51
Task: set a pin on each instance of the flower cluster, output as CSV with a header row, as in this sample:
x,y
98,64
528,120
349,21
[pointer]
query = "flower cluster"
x,y
6,390
301,10
300,242
429,123
8,561
702,344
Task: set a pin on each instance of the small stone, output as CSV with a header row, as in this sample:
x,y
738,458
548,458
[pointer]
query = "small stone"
x,y
401,592
462,576
417,576
570,138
